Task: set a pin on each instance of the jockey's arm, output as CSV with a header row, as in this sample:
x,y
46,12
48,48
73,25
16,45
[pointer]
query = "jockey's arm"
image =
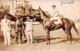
x,y
57,13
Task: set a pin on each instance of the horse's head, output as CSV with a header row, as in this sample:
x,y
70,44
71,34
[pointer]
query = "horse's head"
x,y
44,14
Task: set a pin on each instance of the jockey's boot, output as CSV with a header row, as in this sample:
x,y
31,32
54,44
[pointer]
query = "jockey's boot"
x,y
53,24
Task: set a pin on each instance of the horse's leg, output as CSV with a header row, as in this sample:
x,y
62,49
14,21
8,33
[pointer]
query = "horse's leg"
x,y
47,37
70,37
67,33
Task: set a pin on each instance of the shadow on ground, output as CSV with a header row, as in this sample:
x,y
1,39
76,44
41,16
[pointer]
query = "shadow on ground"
x,y
1,38
39,39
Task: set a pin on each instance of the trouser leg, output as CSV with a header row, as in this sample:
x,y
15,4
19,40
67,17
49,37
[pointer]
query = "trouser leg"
x,y
5,38
21,37
28,39
31,36
8,37
16,37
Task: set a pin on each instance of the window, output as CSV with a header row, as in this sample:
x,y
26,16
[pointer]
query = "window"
x,y
16,1
19,4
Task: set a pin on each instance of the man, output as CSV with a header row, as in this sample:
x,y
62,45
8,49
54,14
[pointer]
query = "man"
x,y
29,30
19,29
56,17
5,27
16,30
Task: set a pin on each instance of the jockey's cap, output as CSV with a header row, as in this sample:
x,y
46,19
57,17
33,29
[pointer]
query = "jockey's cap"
x,y
54,5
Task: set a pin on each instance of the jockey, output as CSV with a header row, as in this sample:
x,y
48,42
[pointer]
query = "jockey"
x,y
56,17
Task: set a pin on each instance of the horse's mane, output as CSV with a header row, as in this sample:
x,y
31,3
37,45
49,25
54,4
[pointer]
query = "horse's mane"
x,y
46,16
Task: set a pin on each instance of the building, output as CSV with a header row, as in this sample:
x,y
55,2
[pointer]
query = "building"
x,y
14,3
1,8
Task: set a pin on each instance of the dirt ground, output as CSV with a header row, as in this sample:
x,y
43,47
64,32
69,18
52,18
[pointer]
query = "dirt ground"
x,y
57,43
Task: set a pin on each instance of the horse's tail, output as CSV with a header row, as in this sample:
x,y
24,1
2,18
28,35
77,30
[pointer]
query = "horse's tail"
x,y
75,28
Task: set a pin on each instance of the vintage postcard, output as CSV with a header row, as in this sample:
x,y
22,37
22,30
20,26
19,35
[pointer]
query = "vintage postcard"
x,y
39,25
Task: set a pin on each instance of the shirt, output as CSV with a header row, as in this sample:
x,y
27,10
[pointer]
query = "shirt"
x,y
29,26
55,13
5,25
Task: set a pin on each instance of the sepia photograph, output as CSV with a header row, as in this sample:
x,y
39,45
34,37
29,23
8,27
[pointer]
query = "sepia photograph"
x,y
39,25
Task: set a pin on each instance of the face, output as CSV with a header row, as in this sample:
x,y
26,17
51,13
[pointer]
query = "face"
x,y
53,7
5,17
21,19
28,17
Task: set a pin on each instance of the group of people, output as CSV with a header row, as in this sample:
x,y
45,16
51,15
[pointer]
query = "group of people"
x,y
21,27
24,28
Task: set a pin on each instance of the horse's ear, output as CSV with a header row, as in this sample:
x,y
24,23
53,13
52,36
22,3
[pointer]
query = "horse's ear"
x,y
40,8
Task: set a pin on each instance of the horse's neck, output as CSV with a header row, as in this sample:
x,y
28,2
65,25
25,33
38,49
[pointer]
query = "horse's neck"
x,y
42,15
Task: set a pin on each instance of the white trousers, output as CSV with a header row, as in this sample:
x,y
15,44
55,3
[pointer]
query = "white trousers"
x,y
57,20
29,36
6,37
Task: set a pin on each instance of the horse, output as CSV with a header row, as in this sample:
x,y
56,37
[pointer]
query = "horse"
x,y
48,26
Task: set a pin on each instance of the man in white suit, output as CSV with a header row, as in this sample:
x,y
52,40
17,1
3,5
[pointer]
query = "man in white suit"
x,y
5,27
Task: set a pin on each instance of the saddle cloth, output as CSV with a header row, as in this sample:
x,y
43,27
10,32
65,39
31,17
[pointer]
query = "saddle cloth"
x,y
56,20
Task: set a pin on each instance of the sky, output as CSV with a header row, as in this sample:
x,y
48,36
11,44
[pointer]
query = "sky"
x,y
68,8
